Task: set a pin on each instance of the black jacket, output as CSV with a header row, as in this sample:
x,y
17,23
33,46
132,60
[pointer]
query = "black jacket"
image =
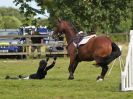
x,y
41,72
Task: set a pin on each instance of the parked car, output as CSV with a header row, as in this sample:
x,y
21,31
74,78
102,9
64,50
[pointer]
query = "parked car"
x,y
5,43
55,46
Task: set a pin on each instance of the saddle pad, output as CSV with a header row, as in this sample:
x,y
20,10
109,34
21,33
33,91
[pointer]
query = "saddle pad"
x,y
84,40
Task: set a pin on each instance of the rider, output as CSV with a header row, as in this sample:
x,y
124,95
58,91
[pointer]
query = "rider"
x,y
41,72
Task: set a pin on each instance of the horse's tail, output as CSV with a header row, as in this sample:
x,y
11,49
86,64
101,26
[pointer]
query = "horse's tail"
x,y
114,54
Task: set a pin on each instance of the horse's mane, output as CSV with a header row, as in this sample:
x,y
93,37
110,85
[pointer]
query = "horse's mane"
x,y
75,29
72,26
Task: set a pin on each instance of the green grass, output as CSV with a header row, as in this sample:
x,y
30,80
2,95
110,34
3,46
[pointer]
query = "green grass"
x,y
56,85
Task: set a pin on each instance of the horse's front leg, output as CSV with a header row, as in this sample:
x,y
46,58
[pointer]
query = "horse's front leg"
x,y
71,76
72,68
103,73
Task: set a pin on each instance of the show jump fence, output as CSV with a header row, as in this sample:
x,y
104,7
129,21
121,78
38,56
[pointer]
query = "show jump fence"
x,y
127,74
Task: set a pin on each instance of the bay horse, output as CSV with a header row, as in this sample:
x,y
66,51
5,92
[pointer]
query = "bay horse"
x,y
100,49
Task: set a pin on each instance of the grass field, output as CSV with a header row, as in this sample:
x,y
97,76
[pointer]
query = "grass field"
x,y
56,85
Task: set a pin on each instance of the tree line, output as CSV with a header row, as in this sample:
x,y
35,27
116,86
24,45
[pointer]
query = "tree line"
x,y
11,18
87,15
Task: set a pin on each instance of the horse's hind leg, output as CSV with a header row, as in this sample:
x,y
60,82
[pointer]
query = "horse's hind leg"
x,y
103,73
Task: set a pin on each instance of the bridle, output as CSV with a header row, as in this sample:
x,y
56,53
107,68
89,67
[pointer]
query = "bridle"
x,y
60,35
71,40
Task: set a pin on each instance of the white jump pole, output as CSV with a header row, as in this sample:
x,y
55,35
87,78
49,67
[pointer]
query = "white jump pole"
x,y
127,74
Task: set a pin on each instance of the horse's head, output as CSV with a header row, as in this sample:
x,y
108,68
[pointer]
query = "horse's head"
x,y
58,31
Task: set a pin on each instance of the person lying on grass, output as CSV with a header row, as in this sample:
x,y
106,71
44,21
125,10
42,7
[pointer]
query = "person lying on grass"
x,y
41,72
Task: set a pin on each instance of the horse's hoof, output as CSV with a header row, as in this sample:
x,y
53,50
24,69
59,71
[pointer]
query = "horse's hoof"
x,y
70,78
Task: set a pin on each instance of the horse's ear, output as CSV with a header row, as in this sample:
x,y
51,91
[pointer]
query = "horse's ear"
x,y
59,20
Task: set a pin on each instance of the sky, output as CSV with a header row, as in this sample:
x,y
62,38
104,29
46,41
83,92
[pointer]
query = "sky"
x,y
9,3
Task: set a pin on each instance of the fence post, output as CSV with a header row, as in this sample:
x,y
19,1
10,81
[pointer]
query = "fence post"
x,y
28,46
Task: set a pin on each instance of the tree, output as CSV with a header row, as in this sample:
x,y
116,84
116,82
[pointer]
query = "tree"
x,y
1,22
10,18
88,15
11,12
42,22
11,22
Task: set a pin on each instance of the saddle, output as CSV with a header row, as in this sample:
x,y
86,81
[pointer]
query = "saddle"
x,y
80,40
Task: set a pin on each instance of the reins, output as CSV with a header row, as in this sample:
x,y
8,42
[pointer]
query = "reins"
x,y
70,42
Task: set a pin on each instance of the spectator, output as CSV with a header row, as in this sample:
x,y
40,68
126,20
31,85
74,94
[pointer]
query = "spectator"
x,y
36,40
